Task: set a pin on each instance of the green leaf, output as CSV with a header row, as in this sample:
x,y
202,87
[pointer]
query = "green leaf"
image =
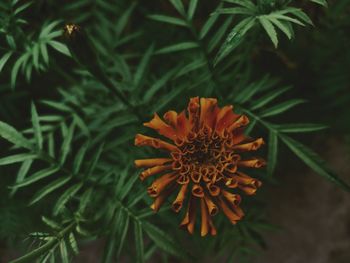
x,y
234,11
64,252
234,38
142,67
272,153
138,242
168,19
259,103
73,243
177,47
282,27
49,189
156,86
124,231
280,108
12,135
287,18
320,2
60,47
178,5
300,127
23,171
192,9
85,199
67,195
67,144
269,28
37,176
128,186
57,105
219,34
79,158
248,92
245,3
95,159
163,240
311,159
4,59
50,223
36,126
17,158
208,25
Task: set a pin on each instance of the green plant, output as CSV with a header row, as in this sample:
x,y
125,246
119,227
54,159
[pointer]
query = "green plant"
x,y
74,161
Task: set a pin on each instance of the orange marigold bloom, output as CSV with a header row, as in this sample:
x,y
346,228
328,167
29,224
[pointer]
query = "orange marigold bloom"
x,y
203,162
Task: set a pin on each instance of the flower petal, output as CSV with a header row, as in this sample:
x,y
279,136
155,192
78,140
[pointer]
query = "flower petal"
x,y
151,162
159,200
233,199
143,140
197,190
177,204
161,127
231,215
190,217
213,209
250,146
238,123
154,170
193,112
208,112
206,224
252,163
247,184
160,183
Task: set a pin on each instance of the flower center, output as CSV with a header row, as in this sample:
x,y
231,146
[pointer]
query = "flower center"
x,y
204,156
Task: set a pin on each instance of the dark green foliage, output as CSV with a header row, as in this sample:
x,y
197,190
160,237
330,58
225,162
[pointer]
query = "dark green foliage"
x,y
76,112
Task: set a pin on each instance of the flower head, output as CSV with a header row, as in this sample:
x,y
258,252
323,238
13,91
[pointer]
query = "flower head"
x,y
203,162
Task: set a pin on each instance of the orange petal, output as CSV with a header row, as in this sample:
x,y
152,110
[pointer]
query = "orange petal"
x,y
190,217
160,183
213,209
182,125
183,179
213,189
193,112
250,146
154,170
159,200
171,118
231,182
206,224
197,190
247,184
196,176
208,112
231,215
252,163
143,140
240,122
151,162
161,127
224,118
177,204
238,136
232,198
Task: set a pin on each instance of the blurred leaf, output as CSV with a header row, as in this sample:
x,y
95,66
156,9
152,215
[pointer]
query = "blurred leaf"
x,y
311,159
49,188
10,134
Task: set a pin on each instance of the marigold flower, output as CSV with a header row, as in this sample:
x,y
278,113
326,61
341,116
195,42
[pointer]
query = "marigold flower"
x,y
203,162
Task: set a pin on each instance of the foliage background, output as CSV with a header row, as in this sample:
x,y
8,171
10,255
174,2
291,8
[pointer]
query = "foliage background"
x,y
70,179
